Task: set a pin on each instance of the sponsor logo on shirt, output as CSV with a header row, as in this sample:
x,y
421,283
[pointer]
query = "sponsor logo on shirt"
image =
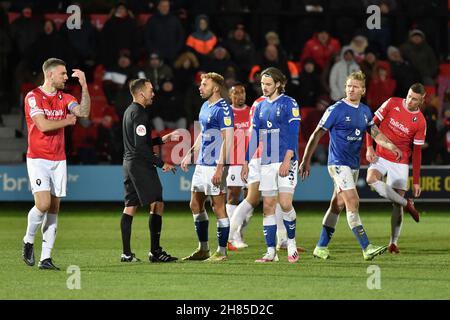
x,y
242,125
398,125
347,119
54,113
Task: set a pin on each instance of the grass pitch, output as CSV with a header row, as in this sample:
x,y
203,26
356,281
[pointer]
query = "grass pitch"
x,y
90,239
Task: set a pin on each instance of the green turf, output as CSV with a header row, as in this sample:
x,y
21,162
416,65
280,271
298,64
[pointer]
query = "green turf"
x,y
90,239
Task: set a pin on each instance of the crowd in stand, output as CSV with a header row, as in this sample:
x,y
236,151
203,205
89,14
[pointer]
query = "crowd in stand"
x,y
316,43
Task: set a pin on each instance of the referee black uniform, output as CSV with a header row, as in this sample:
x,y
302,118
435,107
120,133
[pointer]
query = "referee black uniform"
x,y
141,181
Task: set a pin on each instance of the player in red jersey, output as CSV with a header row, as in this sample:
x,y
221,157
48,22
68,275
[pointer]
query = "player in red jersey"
x,y
401,121
240,141
48,111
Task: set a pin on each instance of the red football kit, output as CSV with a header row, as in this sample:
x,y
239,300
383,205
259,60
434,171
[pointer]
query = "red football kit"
x,y
47,145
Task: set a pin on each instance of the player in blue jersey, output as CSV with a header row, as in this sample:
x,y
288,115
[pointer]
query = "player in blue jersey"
x,y
346,121
276,121
215,142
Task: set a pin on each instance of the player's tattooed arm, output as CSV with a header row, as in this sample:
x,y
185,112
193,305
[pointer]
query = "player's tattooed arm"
x,y
84,108
383,141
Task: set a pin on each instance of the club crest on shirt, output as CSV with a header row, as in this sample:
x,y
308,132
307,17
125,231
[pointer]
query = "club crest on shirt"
x,y
32,103
227,121
141,130
60,96
295,112
357,132
414,119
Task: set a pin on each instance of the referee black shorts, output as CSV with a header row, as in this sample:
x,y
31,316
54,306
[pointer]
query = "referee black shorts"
x,y
141,182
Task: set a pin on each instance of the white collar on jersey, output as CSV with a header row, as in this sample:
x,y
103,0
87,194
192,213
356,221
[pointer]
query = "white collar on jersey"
x,y
349,103
268,100
210,105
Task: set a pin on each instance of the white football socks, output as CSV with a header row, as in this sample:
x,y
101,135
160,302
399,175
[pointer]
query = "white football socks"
x,y
35,218
396,223
281,229
242,211
49,227
387,192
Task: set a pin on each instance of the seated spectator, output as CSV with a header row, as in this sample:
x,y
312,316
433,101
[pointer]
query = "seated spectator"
x,y
402,71
156,71
381,88
310,87
359,45
369,64
202,40
421,55
115,78
340,71
320,48
272,38
168,111
185,69
271,58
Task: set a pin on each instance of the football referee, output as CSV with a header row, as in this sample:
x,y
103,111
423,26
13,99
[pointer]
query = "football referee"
x,y
142,185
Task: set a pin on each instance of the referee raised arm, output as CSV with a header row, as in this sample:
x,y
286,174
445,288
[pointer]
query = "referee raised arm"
x,y
142,185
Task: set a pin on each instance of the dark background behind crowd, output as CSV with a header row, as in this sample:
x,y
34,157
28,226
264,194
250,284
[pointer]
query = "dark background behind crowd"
x,y
316,43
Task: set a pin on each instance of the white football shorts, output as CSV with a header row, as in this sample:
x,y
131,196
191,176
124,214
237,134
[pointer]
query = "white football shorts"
x,y
271,183
202,180
344,177
47,175
397,173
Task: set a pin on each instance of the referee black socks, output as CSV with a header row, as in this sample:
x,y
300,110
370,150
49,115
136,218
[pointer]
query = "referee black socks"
x,y
155,225
125,227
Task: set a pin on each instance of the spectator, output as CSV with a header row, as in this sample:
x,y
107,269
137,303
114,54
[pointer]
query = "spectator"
x,y
156,71
241,49
402,71
272,38
49,44
310,87
6,48
119,32
380,89
380,38
369,64
271,58
359,45
185,68
320,48
164,33
340,71
220,62
421,55
25,30
202,40
116,77
84,42
168,108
